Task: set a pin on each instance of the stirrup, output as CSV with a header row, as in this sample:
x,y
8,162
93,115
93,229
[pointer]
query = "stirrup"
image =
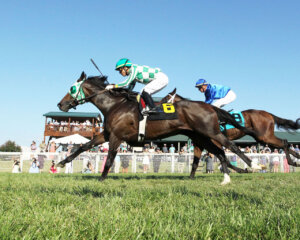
x,y
154,110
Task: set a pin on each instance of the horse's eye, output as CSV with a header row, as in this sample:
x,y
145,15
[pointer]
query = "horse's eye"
x,y
73,89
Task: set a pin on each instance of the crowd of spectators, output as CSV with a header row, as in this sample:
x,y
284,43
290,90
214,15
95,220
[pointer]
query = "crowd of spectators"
x,y
74,126
269,159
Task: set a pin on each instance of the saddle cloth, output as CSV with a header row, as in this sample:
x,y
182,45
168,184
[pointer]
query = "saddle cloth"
x,y
238,116
167,111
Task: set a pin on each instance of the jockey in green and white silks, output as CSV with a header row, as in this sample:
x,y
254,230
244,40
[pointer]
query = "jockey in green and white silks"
x,y
154,79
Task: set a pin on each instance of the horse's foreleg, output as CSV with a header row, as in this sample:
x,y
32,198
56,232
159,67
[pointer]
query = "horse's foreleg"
x,y
99,139
114,143
197,155
294,153
220,154
237,169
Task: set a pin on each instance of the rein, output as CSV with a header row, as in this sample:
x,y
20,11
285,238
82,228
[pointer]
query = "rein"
x,y
77,102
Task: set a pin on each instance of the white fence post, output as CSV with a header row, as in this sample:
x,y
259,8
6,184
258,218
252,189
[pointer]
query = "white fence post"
x,y
97,163
133,167
172,163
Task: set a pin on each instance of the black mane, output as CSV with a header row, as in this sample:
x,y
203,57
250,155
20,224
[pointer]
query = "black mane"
x,y
124,92
99,82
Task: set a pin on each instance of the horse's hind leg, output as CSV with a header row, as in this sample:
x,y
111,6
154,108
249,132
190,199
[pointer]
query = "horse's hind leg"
x,y
99,139
197,155
282,143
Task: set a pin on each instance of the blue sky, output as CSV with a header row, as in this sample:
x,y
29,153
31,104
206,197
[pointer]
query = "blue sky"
x,y
251,46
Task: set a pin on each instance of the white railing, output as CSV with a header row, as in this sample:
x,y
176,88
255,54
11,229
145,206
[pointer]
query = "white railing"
x,y
135,162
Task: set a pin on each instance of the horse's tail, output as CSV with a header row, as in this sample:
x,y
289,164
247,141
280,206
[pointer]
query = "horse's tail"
x,y
286,123
226,117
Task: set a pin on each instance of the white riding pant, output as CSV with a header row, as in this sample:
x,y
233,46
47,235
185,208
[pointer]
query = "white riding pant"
x,y
230,97
156,84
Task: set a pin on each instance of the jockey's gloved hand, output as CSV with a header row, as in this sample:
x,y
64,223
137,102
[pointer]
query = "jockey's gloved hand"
x,y
111,86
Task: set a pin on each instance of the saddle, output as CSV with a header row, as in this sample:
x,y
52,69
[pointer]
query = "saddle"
x,y
238,116
166,111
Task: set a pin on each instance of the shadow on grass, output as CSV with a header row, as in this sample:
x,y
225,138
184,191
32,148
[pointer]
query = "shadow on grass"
x,y
130,177
96,193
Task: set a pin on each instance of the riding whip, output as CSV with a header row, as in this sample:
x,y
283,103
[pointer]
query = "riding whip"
x,y
96,67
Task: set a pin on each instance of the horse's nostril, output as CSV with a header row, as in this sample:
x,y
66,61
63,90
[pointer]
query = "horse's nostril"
x,y
59,105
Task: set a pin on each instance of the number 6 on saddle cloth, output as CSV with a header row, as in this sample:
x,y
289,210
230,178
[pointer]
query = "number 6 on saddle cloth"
x,y
168,111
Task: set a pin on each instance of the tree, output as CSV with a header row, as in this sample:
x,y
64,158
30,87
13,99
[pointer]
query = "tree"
x,y
10,146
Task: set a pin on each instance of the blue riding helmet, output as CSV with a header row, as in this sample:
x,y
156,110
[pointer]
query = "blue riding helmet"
x,y
201,82
124,62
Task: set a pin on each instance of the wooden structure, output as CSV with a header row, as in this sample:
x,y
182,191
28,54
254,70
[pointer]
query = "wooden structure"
x,y
61,124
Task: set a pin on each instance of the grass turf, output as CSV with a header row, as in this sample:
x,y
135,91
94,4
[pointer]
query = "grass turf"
x,y
160,206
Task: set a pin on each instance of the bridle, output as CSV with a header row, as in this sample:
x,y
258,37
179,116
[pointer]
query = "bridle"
x,y
172,98
80,98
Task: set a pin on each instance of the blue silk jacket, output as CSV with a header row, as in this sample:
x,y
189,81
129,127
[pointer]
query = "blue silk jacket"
x,y
214,92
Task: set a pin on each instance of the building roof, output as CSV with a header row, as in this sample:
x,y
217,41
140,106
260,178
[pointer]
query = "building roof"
x,y
73,115
291,137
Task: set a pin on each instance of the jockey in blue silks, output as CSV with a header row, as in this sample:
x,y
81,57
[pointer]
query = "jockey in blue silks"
x,y
216,95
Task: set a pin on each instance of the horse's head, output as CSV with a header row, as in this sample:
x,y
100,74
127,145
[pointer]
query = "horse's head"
x,y
82,91
169,97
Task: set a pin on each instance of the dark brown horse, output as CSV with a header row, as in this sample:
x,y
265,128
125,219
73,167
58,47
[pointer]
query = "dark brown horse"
x,y
197,120
262,122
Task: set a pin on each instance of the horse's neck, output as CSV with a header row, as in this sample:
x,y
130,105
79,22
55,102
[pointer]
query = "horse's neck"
x,y
105,102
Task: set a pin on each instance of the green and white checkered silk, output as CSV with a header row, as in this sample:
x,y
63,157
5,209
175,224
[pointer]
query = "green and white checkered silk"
x,y
76,92
142,74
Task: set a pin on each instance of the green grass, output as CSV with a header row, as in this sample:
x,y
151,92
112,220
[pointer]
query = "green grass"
x,y
161,206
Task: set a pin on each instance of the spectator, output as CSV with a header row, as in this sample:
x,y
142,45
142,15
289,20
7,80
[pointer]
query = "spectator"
x,y
267,149
181,160
248,150
146,161
157,160
263,161
286,167
34,168
52,149
191,150
276,160
172,149
53,168
69,167
41,160
233,160
89,168
152,150
16,166
70,146
42,146
33,146
185,149
165,149
208,158
124,163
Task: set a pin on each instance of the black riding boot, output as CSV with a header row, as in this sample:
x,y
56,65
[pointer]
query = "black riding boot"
x,y
149,102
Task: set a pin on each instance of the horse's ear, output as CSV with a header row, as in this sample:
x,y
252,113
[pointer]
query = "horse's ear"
x,y
174,91
82,77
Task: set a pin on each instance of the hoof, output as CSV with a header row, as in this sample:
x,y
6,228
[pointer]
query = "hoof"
x,y
225,183
60,165
254,166
226,179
